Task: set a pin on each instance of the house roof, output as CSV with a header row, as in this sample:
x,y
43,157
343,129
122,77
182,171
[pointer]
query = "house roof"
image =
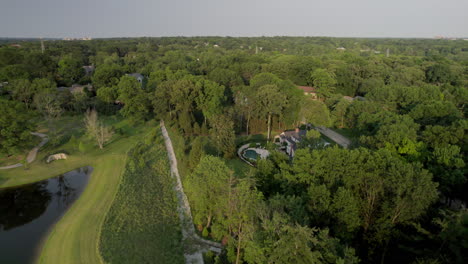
x,y
307,89
88,69
136,75
289,135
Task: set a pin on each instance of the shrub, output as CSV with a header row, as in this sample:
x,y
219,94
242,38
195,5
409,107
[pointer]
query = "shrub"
x,y
205,232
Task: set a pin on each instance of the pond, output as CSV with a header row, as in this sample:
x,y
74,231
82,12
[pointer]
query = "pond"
x,y
28,212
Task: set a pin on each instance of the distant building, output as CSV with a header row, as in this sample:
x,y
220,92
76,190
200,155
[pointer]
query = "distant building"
x,y
89,70
341,48
138,76
15,46
309,91
291,139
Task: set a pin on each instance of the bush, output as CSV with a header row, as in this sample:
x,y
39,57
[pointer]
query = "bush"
x,y
205,232
73,142
84,147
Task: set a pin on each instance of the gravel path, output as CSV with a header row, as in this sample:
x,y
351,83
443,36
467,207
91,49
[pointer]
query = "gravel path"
x,y
339,139
32,154
199,245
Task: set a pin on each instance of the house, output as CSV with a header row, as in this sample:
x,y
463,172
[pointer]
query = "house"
x,y
88,70
309,91
290,139
140,78
341,48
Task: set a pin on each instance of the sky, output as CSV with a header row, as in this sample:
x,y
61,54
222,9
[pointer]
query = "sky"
x,y
154,18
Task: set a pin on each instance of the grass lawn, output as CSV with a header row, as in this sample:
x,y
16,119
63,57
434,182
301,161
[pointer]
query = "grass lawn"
x,y
239,167
142,225
347,132
74,239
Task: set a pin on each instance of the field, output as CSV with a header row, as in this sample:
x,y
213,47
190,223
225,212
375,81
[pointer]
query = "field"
x,y
142,224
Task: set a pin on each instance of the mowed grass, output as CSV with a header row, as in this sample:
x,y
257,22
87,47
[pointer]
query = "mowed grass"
x,y
142,226
75,238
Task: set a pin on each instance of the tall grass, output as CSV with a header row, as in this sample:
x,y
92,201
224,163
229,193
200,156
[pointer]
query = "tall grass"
x,y
142,225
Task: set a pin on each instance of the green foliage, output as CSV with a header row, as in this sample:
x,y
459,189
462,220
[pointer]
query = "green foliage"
x,y
372,191
206,188
325,81
144,212
196,152
15,126
70,69
315,113
222,135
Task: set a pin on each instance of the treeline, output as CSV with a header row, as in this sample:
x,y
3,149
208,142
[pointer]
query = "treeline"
x,y
388,198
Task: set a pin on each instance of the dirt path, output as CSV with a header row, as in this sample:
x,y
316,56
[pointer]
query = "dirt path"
x,y
32,154
198,244
339,139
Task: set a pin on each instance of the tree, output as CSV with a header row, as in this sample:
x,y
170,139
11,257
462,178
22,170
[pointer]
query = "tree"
x,y
438,73
197,152
106,75
315,113
325,82
207,189
210,99
222,134
49,104
136,102
15,126
339,111
271,102
70,69
371,191
243,203
245,103
96,128
22,91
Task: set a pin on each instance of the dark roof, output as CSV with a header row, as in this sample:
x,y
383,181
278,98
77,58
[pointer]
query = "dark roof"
x,y
293,133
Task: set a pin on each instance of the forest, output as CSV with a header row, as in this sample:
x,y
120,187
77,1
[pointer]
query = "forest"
x,y
396,194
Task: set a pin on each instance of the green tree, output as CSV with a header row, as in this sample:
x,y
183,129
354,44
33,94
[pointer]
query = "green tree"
x,y
70,69
210,99
315,113
207,188
137,105
15,126
106,75
325,81
222,134
339,112
197,152
271,101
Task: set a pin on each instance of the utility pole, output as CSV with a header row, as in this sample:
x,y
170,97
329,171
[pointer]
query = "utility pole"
x,y
42,46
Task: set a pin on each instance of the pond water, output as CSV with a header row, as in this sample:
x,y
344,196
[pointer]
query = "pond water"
x,y
28,212
251,154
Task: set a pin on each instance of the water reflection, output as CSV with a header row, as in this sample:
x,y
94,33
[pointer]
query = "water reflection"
x,y
27,212
20,206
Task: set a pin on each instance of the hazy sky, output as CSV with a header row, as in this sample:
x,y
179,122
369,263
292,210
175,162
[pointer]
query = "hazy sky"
x,y
132,18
